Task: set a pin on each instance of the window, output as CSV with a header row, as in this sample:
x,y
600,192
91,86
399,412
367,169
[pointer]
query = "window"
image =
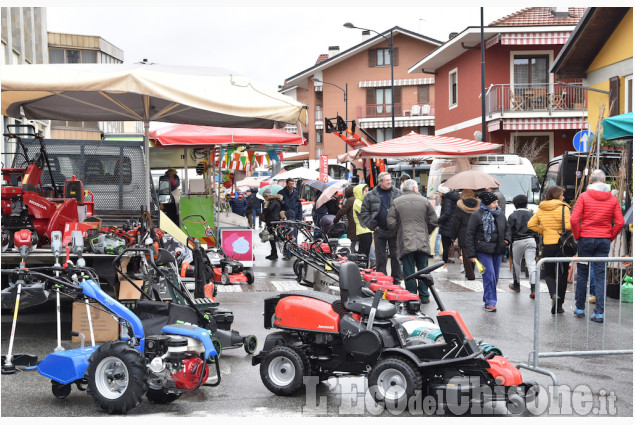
x,y
379,101
72,56
628,94
423,94
384,100
381,57
89,56
318,113
56,55
318,137
384,134
453,87
532,70
306,137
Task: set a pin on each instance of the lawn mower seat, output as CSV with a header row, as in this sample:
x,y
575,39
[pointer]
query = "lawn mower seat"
x,y
353,297
154,315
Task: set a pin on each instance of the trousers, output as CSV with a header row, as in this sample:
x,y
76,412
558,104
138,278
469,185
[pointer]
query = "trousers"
x,y
412,262
383,238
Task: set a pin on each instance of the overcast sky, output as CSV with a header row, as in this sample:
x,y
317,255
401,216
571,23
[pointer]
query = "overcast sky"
x,y
267,44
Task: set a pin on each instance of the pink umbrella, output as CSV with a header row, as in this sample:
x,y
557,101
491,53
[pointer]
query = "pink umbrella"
x,y
328,193
471,179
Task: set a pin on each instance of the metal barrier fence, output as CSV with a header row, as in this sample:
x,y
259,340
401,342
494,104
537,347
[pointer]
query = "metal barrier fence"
x,y
535,354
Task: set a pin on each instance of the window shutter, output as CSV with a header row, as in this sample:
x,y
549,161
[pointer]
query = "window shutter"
x,y
370,96
423,94
372,58
614,96
397,95
395,56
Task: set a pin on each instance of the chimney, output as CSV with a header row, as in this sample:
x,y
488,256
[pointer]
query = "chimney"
x,y
365,35
452,35
333,50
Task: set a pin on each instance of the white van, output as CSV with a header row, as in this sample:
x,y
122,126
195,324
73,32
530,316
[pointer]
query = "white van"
x,y
516,174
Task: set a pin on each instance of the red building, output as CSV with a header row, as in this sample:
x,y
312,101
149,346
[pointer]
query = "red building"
x,y
526,108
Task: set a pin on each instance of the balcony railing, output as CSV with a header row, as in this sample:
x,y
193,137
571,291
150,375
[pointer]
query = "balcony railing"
x,y
502,98
379,110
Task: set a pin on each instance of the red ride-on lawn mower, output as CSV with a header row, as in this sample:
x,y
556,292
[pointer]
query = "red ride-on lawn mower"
x,y
226,270
324,335
26,204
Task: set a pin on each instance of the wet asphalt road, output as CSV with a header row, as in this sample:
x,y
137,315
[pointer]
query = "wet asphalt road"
x,y
242,394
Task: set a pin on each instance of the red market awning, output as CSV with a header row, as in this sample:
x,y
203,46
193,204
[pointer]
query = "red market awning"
x,y
414,147
184,135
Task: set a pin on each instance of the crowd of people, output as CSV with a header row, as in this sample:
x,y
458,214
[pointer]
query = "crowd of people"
x,y
399,224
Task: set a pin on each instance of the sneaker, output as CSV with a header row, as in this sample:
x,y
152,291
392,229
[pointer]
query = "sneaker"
x,y
597,317
490,308
425,301
592,299
532,295
577,312
271,257
515,288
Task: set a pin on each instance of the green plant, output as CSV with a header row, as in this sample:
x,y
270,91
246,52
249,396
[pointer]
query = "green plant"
x,y
540,169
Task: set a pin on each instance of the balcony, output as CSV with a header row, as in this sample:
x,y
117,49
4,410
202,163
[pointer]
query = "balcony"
x,y
529,98
406,115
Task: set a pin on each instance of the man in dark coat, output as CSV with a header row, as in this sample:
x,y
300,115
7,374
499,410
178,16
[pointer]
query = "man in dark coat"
x,y
292,207
446,219
464,209
273,206
411,219
347,210
373,215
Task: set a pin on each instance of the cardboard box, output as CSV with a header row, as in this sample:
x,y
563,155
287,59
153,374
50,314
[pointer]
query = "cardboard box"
x,y
129,292
105,327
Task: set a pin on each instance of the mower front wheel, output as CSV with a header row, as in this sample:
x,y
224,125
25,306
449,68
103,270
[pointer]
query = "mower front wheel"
x,y
117,377
60,391
250,344
282,370
161,396
250,276
224,279
394,380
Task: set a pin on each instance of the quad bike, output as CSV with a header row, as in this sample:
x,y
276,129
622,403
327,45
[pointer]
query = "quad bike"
x,y
24,205
323,335
226,270
160,354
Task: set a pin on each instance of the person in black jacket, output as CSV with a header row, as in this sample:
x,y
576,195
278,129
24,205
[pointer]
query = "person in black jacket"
x,y
464,209
487,238
523,242
273,206
238,204
446,219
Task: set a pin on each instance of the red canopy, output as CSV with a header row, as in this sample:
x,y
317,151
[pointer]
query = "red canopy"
x,y
196,135
419,147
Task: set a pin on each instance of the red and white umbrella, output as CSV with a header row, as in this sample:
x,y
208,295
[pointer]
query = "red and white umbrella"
x,y
419,147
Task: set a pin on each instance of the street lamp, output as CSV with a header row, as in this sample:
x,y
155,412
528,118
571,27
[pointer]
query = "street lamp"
x,y
345,91
392,70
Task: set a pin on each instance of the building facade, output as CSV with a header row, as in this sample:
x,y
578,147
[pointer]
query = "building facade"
x,y
356,85
526,109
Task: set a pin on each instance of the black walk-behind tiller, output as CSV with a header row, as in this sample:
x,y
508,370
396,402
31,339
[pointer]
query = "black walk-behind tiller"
x,y
323,335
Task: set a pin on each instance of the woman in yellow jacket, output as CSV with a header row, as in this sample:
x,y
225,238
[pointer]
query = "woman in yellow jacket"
x,y
548,222
364,235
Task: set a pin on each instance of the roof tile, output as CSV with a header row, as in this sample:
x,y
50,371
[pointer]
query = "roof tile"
x,y
540,16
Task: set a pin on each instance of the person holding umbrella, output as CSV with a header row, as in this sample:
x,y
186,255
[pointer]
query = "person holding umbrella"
x,y
272,209
347,210
487,238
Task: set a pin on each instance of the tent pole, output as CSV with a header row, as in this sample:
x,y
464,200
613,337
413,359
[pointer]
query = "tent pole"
x,y
146,131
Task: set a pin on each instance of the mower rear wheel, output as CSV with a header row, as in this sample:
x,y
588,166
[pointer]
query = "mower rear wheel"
x,y
305,361
282,370
117,377
250,344
250,276
161,396
224,279
394,380
60,390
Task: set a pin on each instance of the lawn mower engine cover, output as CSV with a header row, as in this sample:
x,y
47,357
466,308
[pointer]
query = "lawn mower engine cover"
x,y
231,266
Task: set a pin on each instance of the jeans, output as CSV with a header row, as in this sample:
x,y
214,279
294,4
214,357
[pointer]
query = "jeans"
x,y
255,215
437,244
413,262
492,264
524,248
592,280
290,214
383,237
591,247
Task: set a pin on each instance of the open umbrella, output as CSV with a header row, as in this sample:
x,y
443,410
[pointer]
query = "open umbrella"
x,y
249,181
471,179
298,173
275,188
317,185
329,192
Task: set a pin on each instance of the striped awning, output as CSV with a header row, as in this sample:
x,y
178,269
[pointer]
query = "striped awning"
x,y
400,82
523,38
493,125
578,123
493,41
386,122
419,147
319,125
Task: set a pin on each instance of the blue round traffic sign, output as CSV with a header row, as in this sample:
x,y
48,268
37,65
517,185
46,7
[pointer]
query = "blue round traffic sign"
x,y
582,140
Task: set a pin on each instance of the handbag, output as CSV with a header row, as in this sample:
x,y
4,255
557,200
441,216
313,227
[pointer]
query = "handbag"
x,y
454,251
567,245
